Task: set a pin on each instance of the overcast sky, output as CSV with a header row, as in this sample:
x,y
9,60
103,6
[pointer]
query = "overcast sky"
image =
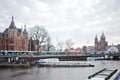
x,y
80,20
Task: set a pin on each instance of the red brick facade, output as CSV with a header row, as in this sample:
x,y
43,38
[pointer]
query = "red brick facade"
x,y
14,39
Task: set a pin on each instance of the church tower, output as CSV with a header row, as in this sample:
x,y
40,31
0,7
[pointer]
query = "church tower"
x,y
103,44
96,43
96,39
25,35
12,36
100,45
102,37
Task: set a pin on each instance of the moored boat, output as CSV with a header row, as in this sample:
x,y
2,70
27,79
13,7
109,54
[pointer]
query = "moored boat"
x,y
54,62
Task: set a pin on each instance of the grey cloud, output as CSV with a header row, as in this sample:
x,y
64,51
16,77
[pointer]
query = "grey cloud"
x,y
66,18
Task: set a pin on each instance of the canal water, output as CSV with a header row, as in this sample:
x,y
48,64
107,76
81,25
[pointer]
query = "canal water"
x,y
56,73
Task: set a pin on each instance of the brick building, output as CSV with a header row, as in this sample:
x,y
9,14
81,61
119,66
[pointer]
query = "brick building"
x,y
14,38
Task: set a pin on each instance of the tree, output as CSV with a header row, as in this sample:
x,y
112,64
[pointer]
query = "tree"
x,y
31,46
60,45
69,44
39,35
48,43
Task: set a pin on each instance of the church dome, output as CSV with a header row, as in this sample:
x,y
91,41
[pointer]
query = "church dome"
x,y
113,50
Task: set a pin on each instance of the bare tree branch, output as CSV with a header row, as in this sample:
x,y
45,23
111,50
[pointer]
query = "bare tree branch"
x,y
69,44
48,43
60,45
39,35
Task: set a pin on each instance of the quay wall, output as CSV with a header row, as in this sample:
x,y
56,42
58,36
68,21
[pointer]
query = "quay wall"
x,y
61,58
3,59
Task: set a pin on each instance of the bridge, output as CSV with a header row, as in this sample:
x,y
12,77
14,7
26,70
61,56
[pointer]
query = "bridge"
x,y
31,55
41,55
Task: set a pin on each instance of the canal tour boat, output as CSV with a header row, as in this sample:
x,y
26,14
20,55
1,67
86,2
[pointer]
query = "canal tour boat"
x,y
54,62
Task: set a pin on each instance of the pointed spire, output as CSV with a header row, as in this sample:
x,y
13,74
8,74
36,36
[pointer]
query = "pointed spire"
x,y
102,33
25,26
12,25
21,28
12,18
96,37
25,31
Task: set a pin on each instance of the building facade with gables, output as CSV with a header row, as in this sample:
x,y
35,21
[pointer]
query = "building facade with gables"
x,y
14,38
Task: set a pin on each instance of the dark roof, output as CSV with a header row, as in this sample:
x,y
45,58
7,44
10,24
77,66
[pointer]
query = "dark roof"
x,y
19,31
12,25
5,33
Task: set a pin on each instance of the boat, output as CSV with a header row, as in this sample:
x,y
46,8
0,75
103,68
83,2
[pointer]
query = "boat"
x,y
47,62
54,62
95,58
